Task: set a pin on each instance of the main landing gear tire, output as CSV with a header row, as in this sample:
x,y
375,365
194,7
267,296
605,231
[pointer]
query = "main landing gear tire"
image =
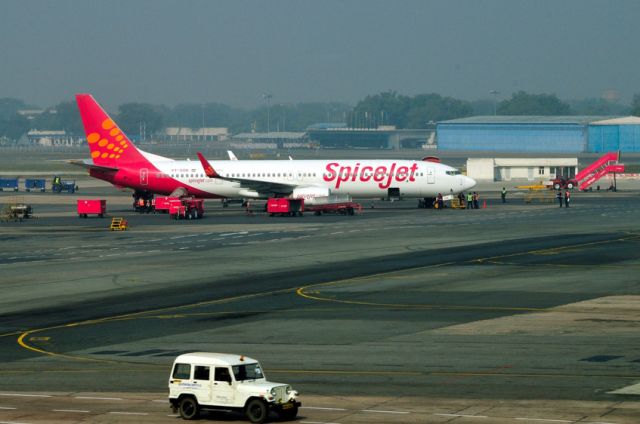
x,y
189,408
256,411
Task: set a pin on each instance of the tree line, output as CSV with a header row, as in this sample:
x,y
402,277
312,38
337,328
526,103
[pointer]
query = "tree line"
x,y
386,108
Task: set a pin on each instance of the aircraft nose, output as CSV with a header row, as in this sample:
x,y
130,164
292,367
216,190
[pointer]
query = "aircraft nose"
x,y
468,182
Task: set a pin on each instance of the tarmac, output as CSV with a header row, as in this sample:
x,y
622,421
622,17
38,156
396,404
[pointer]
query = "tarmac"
x,y
515,312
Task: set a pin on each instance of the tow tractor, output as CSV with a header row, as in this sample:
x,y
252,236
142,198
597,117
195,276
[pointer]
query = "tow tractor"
x,y
186,208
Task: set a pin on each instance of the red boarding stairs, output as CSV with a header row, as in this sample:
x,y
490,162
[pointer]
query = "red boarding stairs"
x,y
609,163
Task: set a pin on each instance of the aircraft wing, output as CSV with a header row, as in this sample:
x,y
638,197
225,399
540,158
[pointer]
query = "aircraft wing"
x,y
248,183
88,163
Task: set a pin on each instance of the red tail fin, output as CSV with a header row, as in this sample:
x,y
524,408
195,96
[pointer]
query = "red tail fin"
x,y
109,146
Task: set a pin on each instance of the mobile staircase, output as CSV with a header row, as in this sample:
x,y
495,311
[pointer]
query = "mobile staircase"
x,y
607,164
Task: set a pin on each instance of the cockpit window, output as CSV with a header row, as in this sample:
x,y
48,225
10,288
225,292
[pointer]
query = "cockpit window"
x,y
453,172
247,372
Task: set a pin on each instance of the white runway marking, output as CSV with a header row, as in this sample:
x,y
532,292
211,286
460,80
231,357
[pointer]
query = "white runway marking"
x,y
8,407
461,415
315,422
97,398
323,409
385,412
546,420
24,395
78,411
127,413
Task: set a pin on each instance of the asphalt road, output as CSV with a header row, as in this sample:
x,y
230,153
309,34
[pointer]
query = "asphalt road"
x,y
513,303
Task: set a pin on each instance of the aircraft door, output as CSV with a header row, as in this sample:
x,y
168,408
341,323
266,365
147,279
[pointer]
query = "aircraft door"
x,y
431,175
144,176
222,389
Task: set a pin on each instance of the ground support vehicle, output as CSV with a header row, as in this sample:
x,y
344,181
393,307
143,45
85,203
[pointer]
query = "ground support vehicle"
x,y
561,182
342,208
161,204
203,381
282,206
17,212
92,207
58,185
9,183
186,208
458,204
34,184
118,224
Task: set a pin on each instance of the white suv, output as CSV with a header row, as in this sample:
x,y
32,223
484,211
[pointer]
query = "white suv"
x,y
221,381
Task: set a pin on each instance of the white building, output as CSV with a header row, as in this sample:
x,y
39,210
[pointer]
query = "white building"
x,y
178,134
53,138
530,169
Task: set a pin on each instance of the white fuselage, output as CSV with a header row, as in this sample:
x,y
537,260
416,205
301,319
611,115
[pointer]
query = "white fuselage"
x,y
355,178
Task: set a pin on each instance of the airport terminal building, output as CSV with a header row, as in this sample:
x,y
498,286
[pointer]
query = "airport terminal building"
x,y
540,134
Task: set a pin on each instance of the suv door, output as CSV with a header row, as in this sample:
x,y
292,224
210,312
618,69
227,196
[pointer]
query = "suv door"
x,y
223,390
202,383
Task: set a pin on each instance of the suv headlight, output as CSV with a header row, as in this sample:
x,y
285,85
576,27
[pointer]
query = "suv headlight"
x,y
272,392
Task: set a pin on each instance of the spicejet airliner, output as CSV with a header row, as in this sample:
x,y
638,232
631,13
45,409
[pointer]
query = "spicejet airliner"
x,y
114,158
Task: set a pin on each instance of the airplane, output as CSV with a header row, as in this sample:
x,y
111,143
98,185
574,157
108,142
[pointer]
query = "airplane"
x,y
116,159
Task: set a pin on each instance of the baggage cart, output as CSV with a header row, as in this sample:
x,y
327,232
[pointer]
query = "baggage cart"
x,y
34,184
9,184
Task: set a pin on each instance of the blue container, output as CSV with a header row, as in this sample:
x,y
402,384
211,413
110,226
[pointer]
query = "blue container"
x,y
34,184
9,183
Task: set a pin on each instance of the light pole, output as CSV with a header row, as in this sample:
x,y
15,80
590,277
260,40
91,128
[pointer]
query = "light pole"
x,y
495,100
268,98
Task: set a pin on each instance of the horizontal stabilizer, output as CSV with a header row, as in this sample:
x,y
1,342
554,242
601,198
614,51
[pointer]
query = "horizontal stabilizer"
x,y
86,163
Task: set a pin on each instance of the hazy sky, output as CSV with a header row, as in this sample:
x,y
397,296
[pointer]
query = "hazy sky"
x,y
233,51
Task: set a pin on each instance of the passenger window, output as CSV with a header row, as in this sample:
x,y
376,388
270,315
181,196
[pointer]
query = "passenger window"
x,y
223,374
182,371
201,373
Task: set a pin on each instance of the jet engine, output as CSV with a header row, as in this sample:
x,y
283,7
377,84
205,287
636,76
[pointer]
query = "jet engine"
x,y
310,193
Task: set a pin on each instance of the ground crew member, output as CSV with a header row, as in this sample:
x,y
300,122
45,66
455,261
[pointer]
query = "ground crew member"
x,y
503,194
567,198
440,201
469,200
476,198
559,197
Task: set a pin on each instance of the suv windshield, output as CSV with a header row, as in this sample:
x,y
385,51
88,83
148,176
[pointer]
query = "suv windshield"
x,y
247,372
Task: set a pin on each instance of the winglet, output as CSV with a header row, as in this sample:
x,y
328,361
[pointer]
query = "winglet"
x,y
208,169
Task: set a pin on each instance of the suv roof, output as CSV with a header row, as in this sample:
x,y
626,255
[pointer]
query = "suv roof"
x,y
227,359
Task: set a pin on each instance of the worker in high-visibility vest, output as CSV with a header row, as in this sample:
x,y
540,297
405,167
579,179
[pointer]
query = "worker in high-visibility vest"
x,y
469,200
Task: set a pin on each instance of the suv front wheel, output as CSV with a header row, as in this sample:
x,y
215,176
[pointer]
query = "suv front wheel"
x,y
289,414
256,411
189,408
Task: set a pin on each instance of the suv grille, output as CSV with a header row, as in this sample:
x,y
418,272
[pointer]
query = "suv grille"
x,y
281,394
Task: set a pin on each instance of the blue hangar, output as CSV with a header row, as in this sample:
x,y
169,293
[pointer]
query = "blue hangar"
x,y
540,134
